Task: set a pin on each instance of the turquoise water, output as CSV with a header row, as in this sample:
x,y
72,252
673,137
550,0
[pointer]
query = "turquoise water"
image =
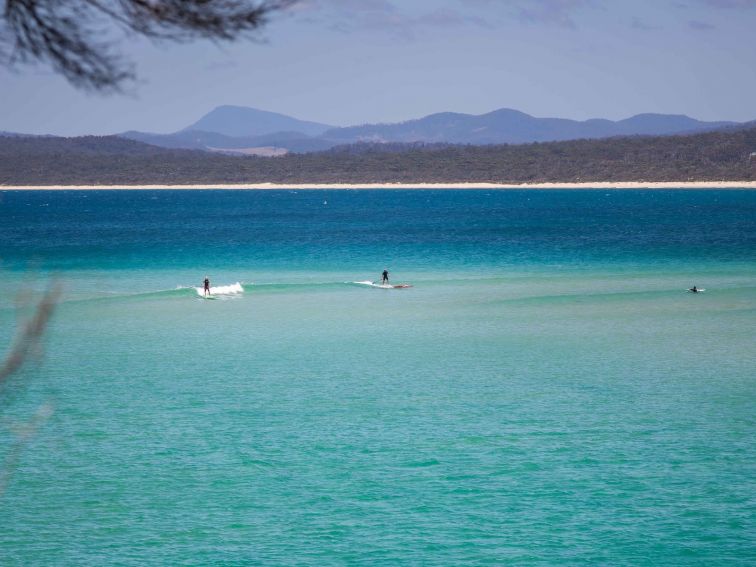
x,y
546,394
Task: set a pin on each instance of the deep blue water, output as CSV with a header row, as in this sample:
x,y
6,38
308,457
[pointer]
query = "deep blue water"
x,y
331,230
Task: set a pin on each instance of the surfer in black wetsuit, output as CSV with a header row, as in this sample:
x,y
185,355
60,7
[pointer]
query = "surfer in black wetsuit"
x,y
207,286
385,279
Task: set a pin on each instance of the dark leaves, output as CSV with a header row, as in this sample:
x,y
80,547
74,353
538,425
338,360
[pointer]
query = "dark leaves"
x,y
77,37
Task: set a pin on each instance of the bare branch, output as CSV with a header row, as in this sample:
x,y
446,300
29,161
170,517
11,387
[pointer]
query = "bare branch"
x,y
24,435
29,337
27,342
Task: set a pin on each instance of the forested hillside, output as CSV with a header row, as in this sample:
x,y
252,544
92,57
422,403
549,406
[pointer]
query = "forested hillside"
x,y
112,161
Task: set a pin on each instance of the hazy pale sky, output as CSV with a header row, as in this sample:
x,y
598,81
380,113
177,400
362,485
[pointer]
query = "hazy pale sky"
x,y
346,62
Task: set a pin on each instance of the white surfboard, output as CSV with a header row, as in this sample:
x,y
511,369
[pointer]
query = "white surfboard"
x,y
383,286
698,290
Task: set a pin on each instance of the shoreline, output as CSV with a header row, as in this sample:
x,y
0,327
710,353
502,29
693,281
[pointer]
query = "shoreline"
x,y
418,186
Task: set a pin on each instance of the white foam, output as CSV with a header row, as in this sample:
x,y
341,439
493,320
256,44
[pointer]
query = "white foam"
x,y
222,289
373,284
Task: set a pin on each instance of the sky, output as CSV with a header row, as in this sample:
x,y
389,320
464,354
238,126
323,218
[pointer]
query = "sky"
x,y
346,62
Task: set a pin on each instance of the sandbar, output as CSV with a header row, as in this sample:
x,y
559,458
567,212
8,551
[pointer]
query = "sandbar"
x,y
363,186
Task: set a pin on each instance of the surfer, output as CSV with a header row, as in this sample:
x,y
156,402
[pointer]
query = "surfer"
x,y
694,289
385,280
207,286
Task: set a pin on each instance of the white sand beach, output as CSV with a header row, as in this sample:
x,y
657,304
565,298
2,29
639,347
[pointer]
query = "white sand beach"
x,y
350,186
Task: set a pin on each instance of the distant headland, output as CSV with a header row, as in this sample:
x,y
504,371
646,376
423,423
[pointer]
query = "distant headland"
x,y
725,155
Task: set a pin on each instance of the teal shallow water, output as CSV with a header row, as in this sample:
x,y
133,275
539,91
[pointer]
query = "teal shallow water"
x,y
497,412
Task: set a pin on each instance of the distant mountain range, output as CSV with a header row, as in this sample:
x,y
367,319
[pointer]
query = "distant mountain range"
x,y
507,126
240,129
241,122
18,135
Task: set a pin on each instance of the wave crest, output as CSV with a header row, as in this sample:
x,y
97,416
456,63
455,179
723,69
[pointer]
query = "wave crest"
x,y
232,289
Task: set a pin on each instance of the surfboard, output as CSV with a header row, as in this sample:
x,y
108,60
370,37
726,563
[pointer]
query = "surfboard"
x,y
699,290
384,286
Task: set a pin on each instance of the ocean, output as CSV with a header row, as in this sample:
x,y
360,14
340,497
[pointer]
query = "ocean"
x,y
547,392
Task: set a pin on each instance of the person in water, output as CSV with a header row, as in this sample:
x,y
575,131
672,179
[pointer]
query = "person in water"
x,y
694,289
207,286
385,279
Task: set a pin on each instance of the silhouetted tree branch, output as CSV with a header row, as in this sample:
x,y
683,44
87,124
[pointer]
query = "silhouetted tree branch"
x,y
23,434
27,343
76,36
29,337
